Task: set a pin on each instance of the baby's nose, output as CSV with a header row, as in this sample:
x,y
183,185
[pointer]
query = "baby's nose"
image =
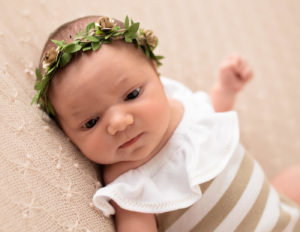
x,y
119,122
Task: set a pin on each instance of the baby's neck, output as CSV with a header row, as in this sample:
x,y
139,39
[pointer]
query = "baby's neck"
x,y
112,171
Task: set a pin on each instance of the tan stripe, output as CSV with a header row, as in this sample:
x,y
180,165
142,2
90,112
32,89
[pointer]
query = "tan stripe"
x,y
165,220
283,221
254,215
217,214
297,226
205,185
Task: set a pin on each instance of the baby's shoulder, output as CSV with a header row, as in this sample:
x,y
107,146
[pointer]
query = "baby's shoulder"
x,y
109,175
113,171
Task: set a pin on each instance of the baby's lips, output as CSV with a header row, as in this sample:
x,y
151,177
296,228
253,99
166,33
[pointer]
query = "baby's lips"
x,y
130,141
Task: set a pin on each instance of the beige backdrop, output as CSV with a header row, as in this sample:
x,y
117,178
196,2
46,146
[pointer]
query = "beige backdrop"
x,y
195,35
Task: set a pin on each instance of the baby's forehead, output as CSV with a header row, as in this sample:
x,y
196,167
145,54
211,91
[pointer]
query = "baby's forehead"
x,y
113,63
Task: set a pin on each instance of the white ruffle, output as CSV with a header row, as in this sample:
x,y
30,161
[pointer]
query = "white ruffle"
x,y
198,151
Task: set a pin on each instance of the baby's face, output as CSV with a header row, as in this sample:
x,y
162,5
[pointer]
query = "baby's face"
x,y
111,104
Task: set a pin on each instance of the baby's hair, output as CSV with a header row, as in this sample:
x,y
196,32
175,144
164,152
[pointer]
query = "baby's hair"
x,y
68,30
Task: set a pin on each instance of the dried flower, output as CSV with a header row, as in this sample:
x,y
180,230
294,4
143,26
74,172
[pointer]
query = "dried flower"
x,y
49,57
105,23
141,40
150,38
92,32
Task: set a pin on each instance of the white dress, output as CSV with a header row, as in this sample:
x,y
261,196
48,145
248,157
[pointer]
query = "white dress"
x,y
202,179
150,188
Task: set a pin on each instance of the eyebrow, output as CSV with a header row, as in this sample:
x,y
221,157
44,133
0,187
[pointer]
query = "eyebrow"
x,y
122,81
76,113
77,120
77,116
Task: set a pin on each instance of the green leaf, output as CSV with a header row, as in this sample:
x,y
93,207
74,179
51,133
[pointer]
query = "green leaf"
x,y
130,34
128,39
56,63
155,45
35,98
79,34
86,48
107,36
147,52
50,107
152,56
98,31
133,28
44,84
53,68
37,85
158,63
118,33
72,47
159,57
96,45
115,28
38,74
84,44
142,32
92,38
89,27
65,59
126,22
59,43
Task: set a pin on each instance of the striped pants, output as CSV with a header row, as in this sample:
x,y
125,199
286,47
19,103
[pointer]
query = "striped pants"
x,y
239,199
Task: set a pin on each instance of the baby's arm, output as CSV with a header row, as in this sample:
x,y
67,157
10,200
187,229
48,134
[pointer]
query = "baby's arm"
x,y
125,220
233,74
133,221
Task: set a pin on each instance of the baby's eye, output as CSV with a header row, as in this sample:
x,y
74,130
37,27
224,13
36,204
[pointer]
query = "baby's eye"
x,y
133,94
91,123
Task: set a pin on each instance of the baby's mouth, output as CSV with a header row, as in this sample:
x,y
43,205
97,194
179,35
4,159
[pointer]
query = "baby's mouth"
x,y
131,141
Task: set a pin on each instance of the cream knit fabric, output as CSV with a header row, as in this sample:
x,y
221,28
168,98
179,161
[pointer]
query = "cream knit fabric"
x,y
45,183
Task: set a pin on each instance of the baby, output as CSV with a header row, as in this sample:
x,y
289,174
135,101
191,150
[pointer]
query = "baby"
x,y
171,158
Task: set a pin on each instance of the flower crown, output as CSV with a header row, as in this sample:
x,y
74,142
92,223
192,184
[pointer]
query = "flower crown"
x,y
96,33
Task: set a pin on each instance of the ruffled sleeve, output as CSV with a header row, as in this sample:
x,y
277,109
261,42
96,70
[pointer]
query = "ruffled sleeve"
x,y
198,150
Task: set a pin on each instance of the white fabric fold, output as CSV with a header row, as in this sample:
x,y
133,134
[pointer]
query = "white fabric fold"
x,y
199,149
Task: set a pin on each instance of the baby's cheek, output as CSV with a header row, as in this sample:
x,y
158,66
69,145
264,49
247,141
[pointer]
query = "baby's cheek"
x,y
155,111
91,146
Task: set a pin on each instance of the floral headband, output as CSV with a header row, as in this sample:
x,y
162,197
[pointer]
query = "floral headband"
x,y
96,33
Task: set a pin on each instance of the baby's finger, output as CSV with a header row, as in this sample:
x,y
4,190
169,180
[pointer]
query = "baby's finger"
x,y
237,65
243,67
227,66
246,74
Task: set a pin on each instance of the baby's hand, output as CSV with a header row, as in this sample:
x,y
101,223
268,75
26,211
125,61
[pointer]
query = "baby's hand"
x,y
233,74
